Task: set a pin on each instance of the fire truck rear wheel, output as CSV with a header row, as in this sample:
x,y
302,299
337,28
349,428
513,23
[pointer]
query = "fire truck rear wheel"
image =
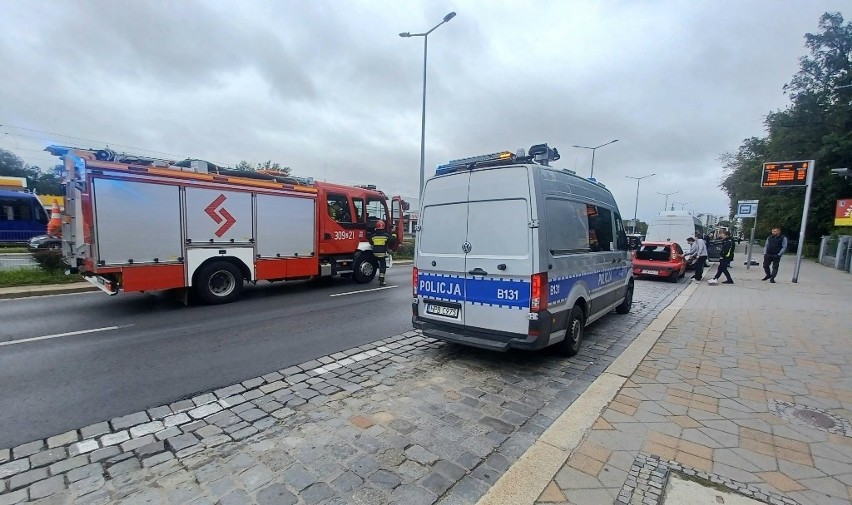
x,y
365,269
219,282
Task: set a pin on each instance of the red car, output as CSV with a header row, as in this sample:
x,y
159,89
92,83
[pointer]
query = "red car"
x,y
659,259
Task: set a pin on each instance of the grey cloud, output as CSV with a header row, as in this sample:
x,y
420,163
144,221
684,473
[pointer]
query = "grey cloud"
x,y
330,89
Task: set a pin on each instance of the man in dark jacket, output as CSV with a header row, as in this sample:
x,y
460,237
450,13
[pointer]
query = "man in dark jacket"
x,y
776,246
725,260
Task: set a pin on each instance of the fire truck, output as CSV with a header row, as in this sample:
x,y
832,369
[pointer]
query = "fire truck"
x,y
133,223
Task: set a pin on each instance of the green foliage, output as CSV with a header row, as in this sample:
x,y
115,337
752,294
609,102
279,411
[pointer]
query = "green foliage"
x,y
34,276
405,250
49,260
266,165
816,125
42,182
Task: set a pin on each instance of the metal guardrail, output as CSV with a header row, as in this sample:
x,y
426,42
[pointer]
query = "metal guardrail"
x,y
836,252
16,261
17,236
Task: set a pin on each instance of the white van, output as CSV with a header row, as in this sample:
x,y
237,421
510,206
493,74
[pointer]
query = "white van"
x,y
673,226
512,253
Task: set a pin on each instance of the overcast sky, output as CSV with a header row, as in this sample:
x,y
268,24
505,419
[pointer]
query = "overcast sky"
x,y
330,89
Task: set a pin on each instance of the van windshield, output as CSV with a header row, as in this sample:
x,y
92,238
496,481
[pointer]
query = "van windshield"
x,y
444,229
499,228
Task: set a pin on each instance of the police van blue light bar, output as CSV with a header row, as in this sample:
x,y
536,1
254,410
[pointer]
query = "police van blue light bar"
x,y
466,163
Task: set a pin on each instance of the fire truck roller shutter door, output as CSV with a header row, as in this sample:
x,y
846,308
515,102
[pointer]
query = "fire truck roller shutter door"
x,y
285,226
136,221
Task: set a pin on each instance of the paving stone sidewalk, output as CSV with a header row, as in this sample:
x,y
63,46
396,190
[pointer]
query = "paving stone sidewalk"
x,y
749,388
405,420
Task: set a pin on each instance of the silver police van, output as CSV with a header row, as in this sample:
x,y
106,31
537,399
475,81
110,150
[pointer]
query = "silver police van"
x,y
512,253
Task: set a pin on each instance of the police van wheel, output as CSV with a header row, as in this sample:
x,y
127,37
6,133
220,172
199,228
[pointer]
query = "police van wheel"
x,y
219,282
571,344
625,305
365,269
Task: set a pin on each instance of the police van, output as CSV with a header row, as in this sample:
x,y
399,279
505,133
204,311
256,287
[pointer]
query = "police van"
x,y
512,253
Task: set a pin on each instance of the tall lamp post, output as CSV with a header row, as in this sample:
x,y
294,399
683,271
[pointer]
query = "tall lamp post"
x,y
667,195
636,207
682,204
592,175
425,36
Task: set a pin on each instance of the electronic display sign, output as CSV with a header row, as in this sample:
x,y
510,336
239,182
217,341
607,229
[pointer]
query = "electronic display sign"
x,y
785,173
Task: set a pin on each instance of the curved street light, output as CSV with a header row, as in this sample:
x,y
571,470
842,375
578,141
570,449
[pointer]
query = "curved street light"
x,y
425,36
636,207
592,175
667,195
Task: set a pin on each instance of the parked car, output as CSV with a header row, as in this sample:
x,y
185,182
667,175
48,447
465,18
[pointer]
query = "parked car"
x,y
42,242
634,241
714,249
659,259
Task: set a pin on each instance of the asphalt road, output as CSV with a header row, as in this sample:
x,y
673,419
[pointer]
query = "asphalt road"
x,y
163,351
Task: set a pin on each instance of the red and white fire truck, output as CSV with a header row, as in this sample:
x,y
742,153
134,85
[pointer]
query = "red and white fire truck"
x,y
134,223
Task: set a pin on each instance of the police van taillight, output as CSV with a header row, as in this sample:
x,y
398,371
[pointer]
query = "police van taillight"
x,y
414,281
538,292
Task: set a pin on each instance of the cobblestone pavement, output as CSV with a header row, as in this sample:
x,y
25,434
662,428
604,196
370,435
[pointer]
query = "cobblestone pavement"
x,y
720,398
404,420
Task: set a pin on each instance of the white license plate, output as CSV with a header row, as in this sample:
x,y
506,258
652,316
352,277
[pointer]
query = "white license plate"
x,y
651,272
440,310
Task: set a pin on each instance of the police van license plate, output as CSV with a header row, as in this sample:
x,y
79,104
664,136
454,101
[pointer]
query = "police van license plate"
x,y
651,272
442,310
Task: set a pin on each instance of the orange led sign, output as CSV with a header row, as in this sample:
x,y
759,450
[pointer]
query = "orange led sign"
x,y
785,173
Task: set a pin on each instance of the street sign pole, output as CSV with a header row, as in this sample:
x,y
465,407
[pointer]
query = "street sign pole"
x,y
751,244
801,247
748,209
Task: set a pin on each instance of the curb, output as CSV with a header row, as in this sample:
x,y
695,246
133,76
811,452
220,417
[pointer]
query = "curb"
x,y
526,479
29,291
78,287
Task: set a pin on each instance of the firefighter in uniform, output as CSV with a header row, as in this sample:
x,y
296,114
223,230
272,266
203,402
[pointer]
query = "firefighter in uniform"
x,y
379,241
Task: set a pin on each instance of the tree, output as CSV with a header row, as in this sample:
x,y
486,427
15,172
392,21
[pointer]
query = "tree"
x,y
42,182
816,125
267,165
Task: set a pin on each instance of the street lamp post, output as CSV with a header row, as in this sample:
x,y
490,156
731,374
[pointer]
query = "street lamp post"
x,y
667,195
425,36
682,204
592,175
636,207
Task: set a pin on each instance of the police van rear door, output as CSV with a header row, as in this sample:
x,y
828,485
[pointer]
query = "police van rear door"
x,y
499,259
441,240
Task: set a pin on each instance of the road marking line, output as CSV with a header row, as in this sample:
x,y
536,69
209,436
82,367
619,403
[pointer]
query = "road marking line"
x,y
58,335
363,291
29,295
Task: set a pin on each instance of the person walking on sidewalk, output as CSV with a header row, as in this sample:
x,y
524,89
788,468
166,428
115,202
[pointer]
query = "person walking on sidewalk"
x,y
700,248
725,260
776,246
379,241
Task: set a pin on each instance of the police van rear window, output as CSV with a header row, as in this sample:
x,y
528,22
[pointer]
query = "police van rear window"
x,y
444,229
499,228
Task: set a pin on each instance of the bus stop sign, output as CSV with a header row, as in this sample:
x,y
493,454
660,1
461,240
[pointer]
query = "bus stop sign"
x,y
746,208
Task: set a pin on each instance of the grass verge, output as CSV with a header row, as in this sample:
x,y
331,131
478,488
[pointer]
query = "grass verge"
x,y
33,277
13,250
